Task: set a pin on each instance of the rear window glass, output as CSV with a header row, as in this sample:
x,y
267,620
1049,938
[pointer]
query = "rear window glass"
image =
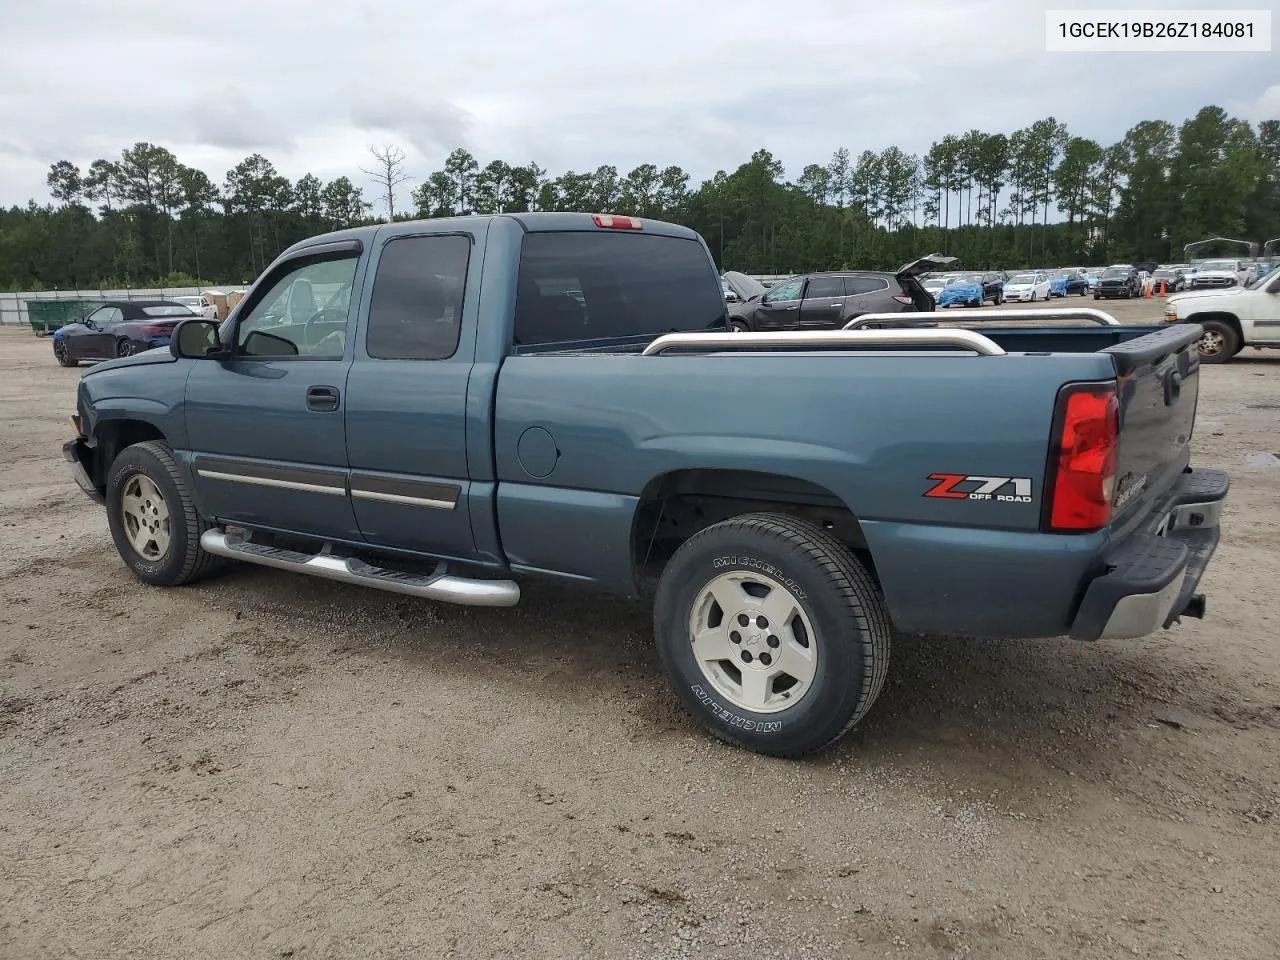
x,y
163,311
602,285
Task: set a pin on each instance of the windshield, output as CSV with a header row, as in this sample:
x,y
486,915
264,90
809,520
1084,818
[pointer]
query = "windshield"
x,y
1022,278
176,310
1217,265
969,278
1163,273
1114,272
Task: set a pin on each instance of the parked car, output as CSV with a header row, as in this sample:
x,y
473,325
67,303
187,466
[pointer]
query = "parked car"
x,y
935,284
198,304
118,328
1216,274
1232,319
467,426
1092,277
1026,286
972,290
822,301
1173,279
1118,281
1069,281
745,287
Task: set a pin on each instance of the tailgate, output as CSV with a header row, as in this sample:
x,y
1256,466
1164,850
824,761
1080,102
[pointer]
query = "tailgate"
x,y
1157,380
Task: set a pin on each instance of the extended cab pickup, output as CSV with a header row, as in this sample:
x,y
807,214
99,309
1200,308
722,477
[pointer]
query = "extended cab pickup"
x,y
444,408
1232,319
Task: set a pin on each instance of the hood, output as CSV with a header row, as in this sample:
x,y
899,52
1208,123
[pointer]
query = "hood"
x,y
147,357
1200,294
934,261
742,285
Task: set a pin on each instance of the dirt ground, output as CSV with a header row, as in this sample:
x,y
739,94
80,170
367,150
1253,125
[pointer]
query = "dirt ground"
x,y
272,766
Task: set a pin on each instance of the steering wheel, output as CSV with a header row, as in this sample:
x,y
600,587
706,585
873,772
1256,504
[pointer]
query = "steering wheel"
x,y
326,316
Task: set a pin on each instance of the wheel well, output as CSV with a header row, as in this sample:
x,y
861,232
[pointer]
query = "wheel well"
x,y
675,506
1229,319
111,437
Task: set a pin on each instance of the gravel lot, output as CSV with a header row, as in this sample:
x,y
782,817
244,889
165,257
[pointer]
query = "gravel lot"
x,y
270,766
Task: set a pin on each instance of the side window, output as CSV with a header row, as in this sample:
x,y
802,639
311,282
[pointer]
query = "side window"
x,y
786,291
304,314
857,285
416,309
105,316
820,287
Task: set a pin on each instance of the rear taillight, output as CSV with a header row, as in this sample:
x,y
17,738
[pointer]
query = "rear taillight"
x,y
154,331
902,299
611,222
1082,464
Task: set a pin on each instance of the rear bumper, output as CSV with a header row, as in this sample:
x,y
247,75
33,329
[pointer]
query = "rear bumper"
x,y
80,457
1151,576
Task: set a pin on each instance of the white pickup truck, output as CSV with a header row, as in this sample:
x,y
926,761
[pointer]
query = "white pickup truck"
x,y
1234,318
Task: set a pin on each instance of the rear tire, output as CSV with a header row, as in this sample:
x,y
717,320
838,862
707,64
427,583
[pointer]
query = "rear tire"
x,y
153,520
1219,343
814,652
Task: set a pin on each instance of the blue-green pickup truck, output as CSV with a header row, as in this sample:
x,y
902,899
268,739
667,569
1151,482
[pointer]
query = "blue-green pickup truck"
x,y
445,408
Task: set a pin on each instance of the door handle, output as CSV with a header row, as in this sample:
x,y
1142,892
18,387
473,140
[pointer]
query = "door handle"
x,y
322,399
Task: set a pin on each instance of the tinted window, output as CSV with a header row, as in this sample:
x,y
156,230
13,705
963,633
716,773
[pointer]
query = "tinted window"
x,y
293,318
1112,274
856,285
416,310
607,284
824,287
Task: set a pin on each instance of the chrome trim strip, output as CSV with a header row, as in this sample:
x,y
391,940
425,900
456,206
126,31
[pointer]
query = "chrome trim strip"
x,y
716,342
400,498
1100,317
268,482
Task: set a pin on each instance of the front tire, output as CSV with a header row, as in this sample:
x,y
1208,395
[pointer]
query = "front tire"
x,y
1219,343
153,520
738,326
62,353
812,655
126,348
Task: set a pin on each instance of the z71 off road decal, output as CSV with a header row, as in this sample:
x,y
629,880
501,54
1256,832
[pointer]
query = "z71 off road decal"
x,y
959,486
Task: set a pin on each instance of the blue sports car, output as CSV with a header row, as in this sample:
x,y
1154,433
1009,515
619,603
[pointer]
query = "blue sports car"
x,y
118,328
969,290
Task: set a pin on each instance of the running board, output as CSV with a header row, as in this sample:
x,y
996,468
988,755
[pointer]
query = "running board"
x,y
439,585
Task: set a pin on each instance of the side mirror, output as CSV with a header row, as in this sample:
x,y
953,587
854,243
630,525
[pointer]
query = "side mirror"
x,y
196,339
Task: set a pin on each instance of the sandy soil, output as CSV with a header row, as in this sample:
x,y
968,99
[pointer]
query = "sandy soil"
x,y
269,766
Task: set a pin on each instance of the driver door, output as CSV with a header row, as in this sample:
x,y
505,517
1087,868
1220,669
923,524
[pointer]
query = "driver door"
x,y
96,342
267,427
779,309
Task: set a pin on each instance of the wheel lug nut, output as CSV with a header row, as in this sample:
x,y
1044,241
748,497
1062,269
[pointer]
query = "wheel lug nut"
x,y
743,620
761,622
735,636
766,659
746,656
773,641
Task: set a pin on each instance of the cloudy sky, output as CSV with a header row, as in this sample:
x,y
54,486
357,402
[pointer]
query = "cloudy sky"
x,y
571,84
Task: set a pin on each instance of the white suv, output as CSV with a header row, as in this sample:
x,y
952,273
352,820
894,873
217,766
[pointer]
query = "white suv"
x,y
1234,318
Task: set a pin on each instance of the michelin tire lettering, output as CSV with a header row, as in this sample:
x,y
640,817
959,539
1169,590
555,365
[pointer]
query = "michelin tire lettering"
x,y
740,723
752,563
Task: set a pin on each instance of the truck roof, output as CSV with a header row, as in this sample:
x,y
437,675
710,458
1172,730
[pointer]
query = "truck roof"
x,y
533,222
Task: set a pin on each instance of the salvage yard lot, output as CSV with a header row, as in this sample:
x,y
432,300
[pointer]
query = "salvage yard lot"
x,y
266,765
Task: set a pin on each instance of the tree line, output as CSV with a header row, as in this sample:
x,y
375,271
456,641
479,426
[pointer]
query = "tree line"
x,y
1036,197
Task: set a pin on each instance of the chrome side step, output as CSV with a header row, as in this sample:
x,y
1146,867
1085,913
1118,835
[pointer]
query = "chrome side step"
x,y
439,585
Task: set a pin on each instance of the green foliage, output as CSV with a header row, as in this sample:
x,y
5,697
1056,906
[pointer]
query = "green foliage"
x,y
1034,197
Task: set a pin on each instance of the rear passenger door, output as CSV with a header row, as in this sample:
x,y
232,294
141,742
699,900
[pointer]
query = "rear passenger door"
x,y
407,393
822,304
868,295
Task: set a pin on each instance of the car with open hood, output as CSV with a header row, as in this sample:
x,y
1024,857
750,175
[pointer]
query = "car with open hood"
x,y
829,300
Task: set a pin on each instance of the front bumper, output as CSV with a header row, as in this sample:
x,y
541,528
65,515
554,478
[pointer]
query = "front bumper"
x,y
80,457
1151,577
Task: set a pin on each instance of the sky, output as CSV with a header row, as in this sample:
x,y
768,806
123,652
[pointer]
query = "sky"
x,y
571,84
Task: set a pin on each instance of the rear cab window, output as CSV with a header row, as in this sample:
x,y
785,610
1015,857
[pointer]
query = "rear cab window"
x,y
607,287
